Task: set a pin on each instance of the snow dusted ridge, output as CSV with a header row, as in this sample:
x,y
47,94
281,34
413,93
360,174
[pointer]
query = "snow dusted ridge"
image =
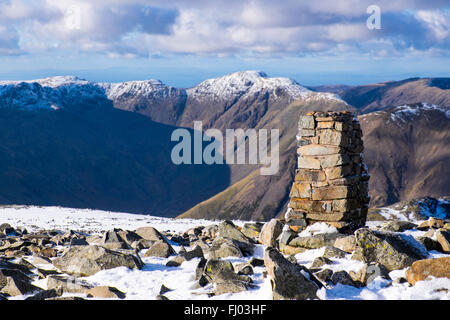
x,y
247,83
49,93
146,88
60,91
399,114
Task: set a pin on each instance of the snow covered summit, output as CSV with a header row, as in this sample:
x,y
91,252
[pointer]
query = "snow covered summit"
x,y
247,83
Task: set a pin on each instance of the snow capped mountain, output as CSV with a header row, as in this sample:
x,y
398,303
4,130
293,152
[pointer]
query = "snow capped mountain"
x,y
62,91
151,89
50,93
247,83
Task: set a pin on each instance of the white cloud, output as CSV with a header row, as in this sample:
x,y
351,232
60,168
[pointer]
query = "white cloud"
x,y
121,28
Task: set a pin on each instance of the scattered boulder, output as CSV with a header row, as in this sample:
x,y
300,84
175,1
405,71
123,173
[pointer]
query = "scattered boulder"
x,y
270,233
67,298
78,242
142,244
48,252
105,292
210,231
324,275
347,243
397,226
164,290
12,273
436,223
150,233
112,240
18,287
68,284
342,277
88,260
244,269
290,250
424,269
224,247
231,286
443,237
368,273
160,249
286,236
197,252
256,262
42,273
316,241
393,250
41,260
252,230
228,230
289,281
46,294
320,261
221,273
429,243
333,252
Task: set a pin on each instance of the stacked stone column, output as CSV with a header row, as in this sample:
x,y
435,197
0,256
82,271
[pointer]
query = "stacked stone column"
x,y
331,182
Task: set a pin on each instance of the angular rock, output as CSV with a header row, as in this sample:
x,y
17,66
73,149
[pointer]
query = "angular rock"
x,y
324,275
48,252
231,286
347,244
223,247
332,252
252,230
289,281
429,243
255,262
270,232
164,289
15,274
315,241
17,287
368,273
160,249
105,292
443,237
227,229
88,260
68,284
397,226
197,252
149,233
46,294
112,240
424,269
219,271
393,250
342,277
78,242
320,262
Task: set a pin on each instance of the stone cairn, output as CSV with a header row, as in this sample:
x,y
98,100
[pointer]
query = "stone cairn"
x,y
331,182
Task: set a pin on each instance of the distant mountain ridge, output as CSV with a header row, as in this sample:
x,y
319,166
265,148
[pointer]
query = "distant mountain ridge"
x,y
394,122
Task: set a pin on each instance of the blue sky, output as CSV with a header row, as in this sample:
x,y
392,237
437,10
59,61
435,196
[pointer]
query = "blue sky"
x,y
184,42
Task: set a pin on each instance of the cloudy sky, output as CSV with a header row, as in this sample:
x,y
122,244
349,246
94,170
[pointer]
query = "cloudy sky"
x,y
182,42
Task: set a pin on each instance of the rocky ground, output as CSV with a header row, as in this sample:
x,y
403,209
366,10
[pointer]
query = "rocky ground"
x,y
60,253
